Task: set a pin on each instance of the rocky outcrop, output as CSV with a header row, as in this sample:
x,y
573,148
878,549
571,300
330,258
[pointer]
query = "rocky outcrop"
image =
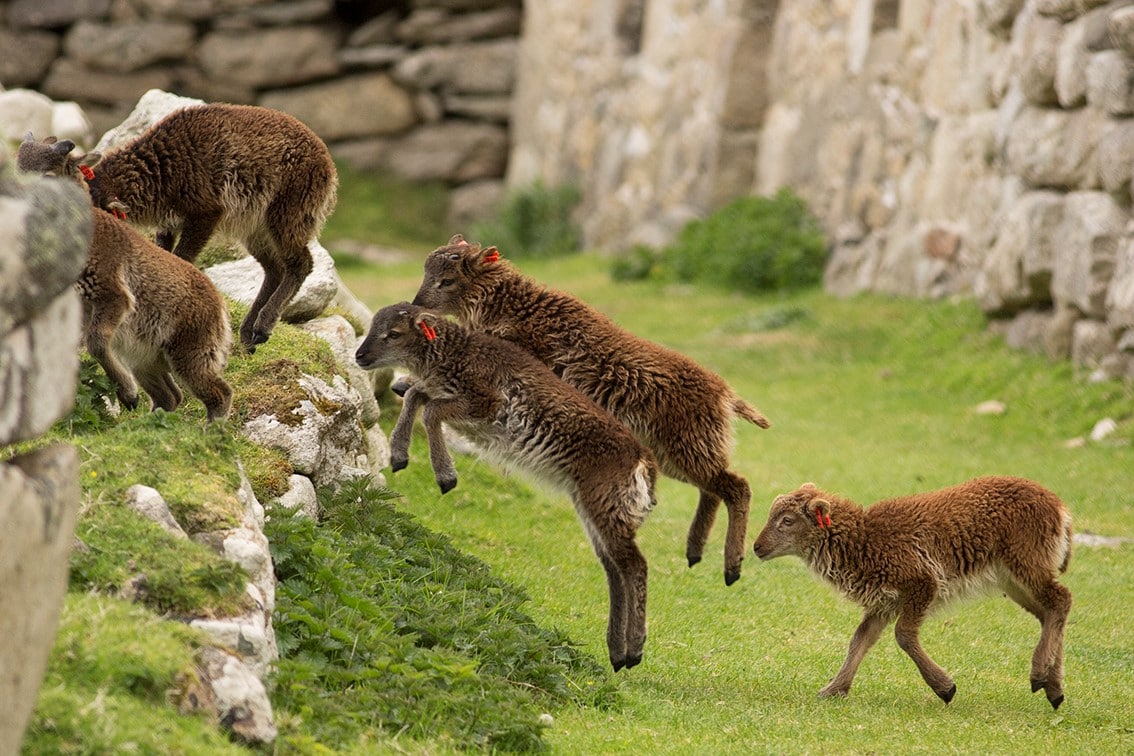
x,y
45,231
419,88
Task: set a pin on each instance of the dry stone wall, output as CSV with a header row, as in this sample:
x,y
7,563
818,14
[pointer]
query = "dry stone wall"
x,y
981,148
420,88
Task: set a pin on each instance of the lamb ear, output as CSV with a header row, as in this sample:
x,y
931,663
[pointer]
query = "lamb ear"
x,y
489,255
91,159
425,322
820,510
457,239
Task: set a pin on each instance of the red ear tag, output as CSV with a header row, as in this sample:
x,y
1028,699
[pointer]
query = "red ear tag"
x,y
88,174
119,214
491,257
823,520
427,329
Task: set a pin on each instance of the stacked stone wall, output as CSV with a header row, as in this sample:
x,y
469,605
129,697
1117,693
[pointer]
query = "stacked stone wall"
x,y
422,91
981,148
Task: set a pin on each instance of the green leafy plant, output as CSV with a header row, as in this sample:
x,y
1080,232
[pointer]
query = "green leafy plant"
x,y
534,222
376,614
753,244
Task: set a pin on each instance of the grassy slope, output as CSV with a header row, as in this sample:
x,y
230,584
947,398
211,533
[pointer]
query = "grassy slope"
x,y
869,397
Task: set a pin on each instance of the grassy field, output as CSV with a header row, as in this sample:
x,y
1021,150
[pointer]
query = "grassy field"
x,y
869,397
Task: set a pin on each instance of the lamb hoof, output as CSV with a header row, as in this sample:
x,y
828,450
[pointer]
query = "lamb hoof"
x,y
400,387
447,485
693,559
731,576
1037,684
129,402
632,661
618,664
947,696
399,463
1056,701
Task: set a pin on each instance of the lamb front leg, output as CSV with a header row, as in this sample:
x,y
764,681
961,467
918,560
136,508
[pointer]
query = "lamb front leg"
x,y
437,410
403,429
865,636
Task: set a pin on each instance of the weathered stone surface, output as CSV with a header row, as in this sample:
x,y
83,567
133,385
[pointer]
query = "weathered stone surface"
x,y
476,201
276,14
1110,83
999,14
241,280
1038,40
21,111
125,47
67,80
1027,331
496,108
48,14
39,503
450,151
149,503
1056,148
475,68
25,56
1091,341
270,57
1116,158
361,105
325,441
426,26
1120,27
242,704
1071,65
1120,292
1017,270
300,496
1087,240
340,336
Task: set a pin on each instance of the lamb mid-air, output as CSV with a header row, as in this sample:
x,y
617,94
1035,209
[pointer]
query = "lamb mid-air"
x,y
517,412
677,408
900,558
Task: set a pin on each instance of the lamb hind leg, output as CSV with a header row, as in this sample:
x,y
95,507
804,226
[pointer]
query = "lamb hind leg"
x,y
1047,661
906,631
435,412
736,494
865,636
701,526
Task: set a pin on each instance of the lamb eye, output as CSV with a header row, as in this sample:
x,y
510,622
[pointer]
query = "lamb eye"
x,y
445,283
392,335
787,522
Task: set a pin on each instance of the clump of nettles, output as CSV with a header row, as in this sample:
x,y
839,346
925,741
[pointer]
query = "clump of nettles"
x,y
383,624
754,244
536,221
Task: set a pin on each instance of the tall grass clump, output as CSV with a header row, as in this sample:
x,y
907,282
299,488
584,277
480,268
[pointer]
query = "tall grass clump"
x,y
534,222
753,244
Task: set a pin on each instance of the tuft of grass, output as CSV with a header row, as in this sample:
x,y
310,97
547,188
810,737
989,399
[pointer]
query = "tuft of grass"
x,y
115,671
753,244
535,221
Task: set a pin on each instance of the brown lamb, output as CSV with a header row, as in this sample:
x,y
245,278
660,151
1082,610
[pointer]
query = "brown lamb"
x,y
254,174
518,413
146,313
677,408
902,557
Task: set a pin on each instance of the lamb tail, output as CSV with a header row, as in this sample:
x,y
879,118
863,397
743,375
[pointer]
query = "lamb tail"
x,y
750,413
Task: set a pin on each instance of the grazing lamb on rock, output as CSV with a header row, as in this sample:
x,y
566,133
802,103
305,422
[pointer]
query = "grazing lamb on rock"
x,y
677,408
146,308
900,558
517,412
254,174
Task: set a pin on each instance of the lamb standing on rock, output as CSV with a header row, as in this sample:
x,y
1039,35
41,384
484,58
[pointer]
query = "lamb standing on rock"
x,y
677,408
517,412
146,308
902,557
254,174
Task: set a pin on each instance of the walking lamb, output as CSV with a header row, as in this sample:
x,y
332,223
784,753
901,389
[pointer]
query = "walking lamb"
x,y
900,558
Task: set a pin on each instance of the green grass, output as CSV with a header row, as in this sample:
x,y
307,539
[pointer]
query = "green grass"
x,y
871,397
382,209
